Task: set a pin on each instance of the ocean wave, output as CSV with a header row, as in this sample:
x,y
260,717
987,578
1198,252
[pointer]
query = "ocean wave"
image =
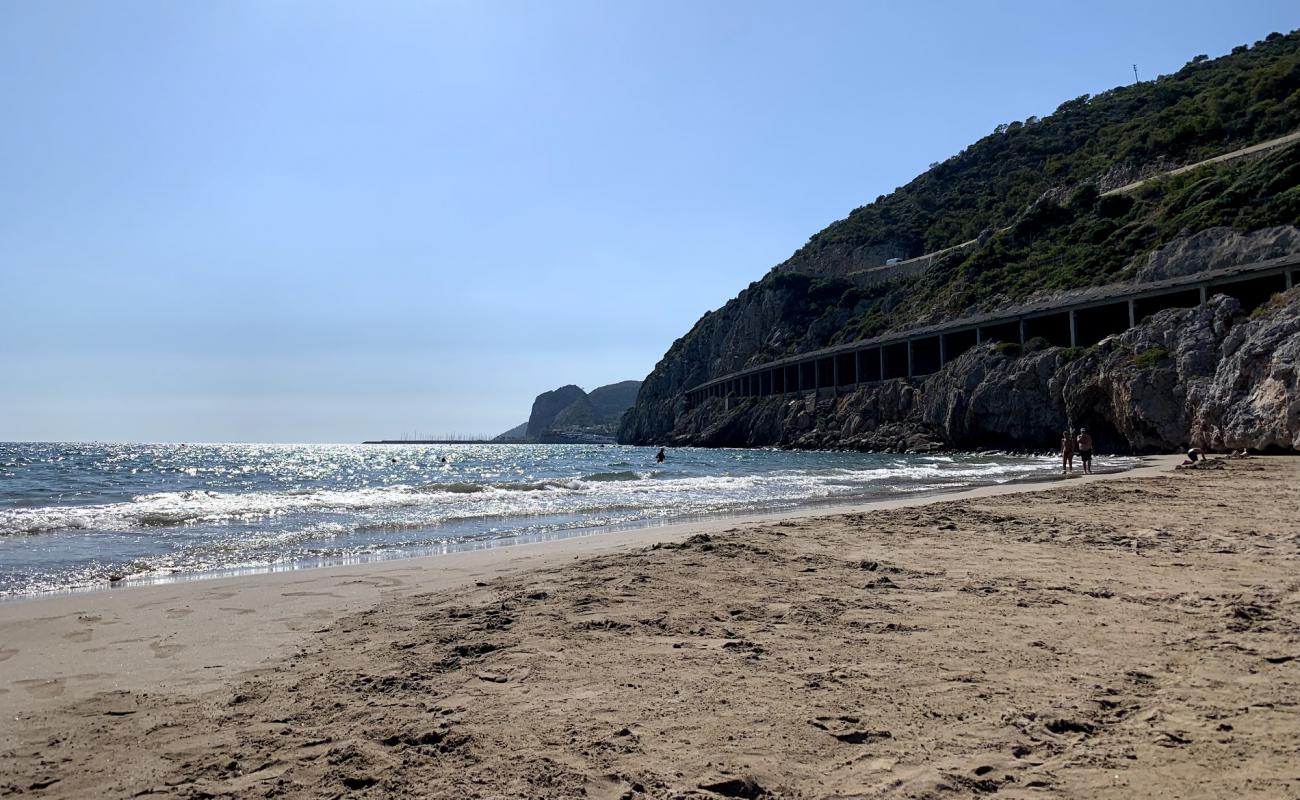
x,y
541,486
433,503
452,488
398,506
167,509
625,475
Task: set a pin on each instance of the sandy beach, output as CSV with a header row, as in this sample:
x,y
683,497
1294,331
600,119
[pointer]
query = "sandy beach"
x,y
1119,636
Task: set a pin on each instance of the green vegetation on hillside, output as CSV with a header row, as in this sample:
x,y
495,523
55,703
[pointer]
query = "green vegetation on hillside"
x,y
1089,240
1031,196
1147,359
1032,193
1208,107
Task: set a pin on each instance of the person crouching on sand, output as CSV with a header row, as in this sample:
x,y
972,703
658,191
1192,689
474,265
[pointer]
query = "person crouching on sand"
x,y
1085,450
1067,452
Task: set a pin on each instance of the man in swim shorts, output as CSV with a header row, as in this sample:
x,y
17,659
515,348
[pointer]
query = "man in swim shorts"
x,y
1085,450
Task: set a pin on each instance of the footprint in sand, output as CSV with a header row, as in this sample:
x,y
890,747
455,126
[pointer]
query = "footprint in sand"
x,y
42,688
161,650
179,613
296,623
847,729
7,653
240,611
308,594
79,636
379,582
153,603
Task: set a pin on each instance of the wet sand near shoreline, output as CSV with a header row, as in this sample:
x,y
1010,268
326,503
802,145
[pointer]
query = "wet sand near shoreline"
x,y
1135,636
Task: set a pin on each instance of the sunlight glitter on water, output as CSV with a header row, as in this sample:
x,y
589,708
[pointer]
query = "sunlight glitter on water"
x,y
73,514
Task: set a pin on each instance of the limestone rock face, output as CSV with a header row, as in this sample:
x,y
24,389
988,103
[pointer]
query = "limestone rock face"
x,y
779,315
985,399
1216,248
1254,399
787,313
1210,377
1134,387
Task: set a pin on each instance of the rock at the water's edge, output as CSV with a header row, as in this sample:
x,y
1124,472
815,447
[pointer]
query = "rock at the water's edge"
x,y
1213,377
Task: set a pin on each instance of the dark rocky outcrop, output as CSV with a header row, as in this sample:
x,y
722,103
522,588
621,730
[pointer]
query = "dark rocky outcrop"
x,y
777,316
786,314
568,414
550,405
579,414
609,402
518,433
1210,376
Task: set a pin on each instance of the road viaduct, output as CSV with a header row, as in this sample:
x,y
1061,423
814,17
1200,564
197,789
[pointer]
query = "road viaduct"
x,y
1079,320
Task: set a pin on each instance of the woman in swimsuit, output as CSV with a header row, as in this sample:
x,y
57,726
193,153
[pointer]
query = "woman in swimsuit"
x,y
1067,452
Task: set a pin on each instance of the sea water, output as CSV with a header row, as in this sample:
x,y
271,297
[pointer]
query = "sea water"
x,y
77,515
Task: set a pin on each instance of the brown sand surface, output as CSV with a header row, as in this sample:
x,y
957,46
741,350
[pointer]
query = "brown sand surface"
x,y
1134,637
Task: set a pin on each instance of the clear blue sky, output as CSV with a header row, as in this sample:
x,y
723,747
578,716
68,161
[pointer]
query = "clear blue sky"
x,y
315,221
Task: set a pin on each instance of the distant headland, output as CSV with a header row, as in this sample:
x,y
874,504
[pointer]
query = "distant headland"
x,y
567,415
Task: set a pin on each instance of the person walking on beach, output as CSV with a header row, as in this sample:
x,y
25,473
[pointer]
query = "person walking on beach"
x,y
1067,452
659,457
1085,450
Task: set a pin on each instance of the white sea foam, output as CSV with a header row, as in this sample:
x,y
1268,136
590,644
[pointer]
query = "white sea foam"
x,y
154,509
431,503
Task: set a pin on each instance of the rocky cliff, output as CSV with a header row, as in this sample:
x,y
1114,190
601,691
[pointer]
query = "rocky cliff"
x,y
609,402
1026,206
1210,377
569,400
1219,247
779,315
570,415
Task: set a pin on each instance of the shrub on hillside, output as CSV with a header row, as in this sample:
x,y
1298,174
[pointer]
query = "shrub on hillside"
x,y
1148,358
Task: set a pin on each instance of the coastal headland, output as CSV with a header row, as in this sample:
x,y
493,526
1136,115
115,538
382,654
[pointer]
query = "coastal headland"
x,y
1141,284
1116,636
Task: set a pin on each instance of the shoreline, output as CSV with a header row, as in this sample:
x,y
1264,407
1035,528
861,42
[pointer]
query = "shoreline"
x,y
1118,636
168,632
825,506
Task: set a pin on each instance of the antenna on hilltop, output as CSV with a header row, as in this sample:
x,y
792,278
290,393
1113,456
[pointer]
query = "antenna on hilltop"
x,y
1135,74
